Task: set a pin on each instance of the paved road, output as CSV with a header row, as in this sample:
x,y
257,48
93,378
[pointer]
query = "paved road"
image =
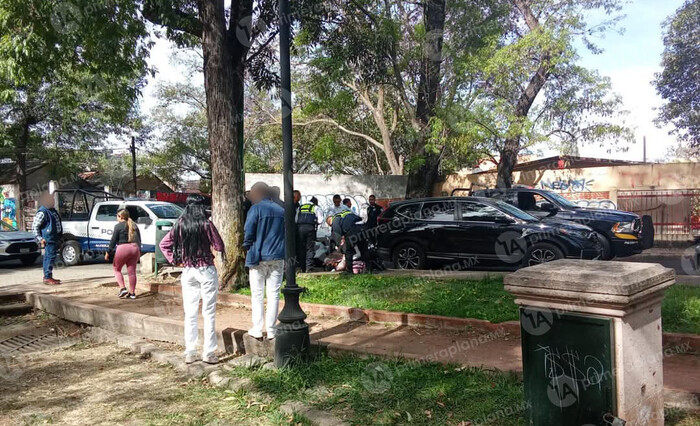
x,y
14,273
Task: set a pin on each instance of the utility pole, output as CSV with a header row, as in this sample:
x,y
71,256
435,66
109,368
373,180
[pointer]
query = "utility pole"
x,y
133,163
644,145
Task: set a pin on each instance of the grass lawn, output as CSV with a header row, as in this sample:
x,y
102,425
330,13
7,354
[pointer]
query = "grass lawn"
x,y
681,309
373,391
482,299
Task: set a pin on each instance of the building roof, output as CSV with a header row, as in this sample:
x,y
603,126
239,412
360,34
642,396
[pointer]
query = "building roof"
x,y
567,162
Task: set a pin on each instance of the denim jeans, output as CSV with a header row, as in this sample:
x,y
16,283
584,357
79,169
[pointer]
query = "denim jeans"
x,y
50,251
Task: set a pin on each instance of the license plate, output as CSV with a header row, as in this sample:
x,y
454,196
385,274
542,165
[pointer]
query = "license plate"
x,y
24,250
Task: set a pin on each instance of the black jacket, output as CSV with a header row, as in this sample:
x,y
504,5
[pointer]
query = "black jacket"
x,y
373,213
120,235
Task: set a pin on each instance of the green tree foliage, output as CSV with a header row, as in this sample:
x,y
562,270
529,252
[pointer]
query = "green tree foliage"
x,y
679,82
535,92
70,73
383,77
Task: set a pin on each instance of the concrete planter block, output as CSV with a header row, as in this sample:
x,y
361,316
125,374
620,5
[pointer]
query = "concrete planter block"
x,y
164,329
148,263
50,304
79,312
623,300
130,323
262,348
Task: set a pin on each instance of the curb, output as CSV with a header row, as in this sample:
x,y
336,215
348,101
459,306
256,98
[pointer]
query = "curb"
x,y
691,341
360,314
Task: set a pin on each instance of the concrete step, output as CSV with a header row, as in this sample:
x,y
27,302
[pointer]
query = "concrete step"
x,y
15,309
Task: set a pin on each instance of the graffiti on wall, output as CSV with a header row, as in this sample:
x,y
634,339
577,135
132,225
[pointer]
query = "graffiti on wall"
x,y
568,185
596,204
8,214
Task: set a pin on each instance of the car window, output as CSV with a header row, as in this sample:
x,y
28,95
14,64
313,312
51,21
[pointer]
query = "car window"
x,y
135,212
165,211
515,212
107,213
438,211
477,212
561,200
411,211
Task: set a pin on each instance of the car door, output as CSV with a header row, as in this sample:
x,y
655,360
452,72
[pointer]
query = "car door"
x,y
480,226
439,227
102,225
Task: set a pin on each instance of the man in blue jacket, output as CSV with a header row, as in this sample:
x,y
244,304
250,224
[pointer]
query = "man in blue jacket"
x,y
264,241
48,230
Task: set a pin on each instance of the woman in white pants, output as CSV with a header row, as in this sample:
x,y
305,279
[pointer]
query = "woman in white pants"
x,y
192,243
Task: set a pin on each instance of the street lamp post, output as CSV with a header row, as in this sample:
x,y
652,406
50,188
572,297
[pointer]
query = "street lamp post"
x,y
292,337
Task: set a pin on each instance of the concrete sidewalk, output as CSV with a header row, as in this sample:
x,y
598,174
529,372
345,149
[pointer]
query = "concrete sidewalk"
x,y
159,317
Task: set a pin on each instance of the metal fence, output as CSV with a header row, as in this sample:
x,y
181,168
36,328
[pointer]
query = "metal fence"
x,y
675,213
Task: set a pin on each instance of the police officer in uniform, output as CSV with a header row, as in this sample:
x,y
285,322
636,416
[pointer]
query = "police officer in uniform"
x,y
346,230
308,218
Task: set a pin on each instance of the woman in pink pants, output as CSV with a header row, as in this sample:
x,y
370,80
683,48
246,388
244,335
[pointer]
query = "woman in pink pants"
x,y
127,239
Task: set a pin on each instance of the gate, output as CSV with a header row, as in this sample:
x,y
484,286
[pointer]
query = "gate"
x,y
675,213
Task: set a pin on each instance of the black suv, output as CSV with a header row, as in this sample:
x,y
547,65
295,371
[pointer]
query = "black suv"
x,y
620,233
472,231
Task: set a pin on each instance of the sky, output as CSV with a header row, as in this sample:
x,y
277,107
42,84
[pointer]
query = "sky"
x,y
630,60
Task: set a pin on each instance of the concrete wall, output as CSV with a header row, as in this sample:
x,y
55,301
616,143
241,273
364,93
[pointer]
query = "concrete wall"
x,y
589,183
357,188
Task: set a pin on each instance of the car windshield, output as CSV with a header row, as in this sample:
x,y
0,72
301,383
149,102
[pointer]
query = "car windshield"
x,y
165,211
514,211
562,201
6,227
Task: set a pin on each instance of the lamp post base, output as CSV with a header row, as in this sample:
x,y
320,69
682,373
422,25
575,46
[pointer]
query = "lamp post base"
x,y
292,343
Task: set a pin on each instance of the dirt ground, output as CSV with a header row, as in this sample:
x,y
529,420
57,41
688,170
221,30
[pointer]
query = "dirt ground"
x,y
102,384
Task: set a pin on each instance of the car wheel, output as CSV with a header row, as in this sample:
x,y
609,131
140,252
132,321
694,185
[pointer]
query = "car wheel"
x,y
71,253
542,253
29,260
409,256
607,247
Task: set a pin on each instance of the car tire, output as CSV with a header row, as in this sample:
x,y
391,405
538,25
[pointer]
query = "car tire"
x,y
71,253
409,256
607,247
29,260
542,253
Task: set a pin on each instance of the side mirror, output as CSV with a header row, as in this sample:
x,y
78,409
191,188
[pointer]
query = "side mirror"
x,y
503,220
550,208
144,220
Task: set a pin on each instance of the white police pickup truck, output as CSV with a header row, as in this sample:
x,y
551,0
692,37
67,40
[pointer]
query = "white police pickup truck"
x,y
89,217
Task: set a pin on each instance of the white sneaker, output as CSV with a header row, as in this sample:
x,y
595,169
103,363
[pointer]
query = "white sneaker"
x,y
211,359
255,335
271,336
190,358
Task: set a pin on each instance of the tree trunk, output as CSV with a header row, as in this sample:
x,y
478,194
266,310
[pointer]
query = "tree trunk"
x,y
509,156
21,170
222,83
421,179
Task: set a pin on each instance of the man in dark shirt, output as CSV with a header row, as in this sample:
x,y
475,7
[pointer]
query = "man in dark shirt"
x,y
346,230
373,212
